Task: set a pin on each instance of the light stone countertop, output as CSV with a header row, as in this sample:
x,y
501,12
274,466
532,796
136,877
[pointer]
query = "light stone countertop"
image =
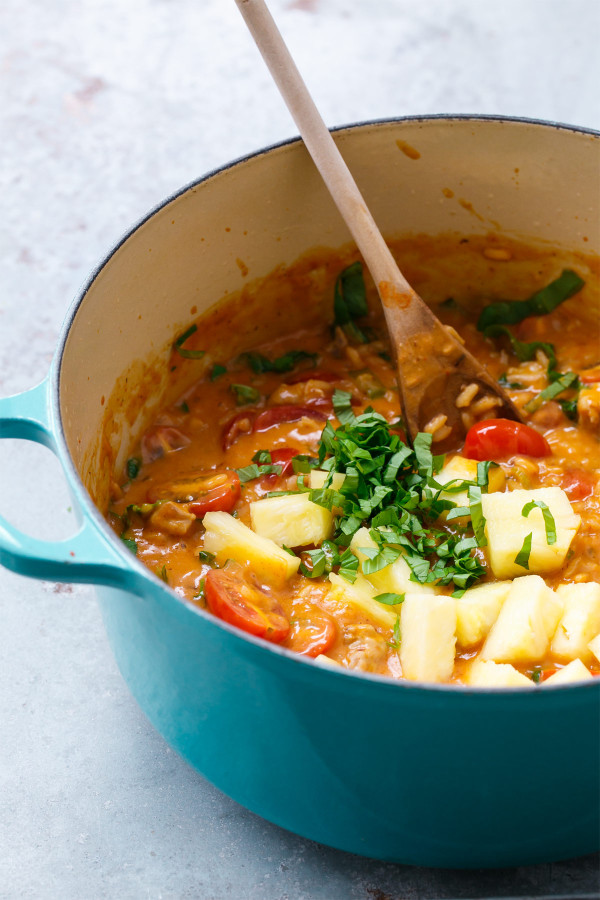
x,y
106,108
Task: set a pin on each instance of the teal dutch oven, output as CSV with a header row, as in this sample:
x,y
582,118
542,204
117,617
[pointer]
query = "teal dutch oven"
x,y
421,774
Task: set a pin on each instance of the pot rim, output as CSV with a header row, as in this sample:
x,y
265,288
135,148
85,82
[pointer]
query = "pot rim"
x,y
90,511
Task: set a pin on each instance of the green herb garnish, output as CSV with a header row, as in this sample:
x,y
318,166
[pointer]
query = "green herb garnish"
x,y
477,517
549,522
216,371
249,473
244,394
539,304
133,467
130,544
396,635
259,363
522,557
206,557
262,457
163,574
561,383
390,599
390,488
350,301
180,341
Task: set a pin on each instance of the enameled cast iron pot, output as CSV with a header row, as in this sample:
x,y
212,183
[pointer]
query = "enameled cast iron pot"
x,y
426,775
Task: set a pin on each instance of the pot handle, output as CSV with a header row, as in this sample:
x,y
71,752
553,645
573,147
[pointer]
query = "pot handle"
x,y
87,557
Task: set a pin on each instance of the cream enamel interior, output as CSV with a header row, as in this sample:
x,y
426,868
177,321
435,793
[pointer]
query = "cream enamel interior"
x,y
524,180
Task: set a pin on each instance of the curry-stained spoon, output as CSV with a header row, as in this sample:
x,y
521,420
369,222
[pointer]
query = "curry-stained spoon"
x,y
438,378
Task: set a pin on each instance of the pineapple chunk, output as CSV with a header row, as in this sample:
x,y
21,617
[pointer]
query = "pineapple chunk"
x,y
579,623
292,520
228,538
361,595
394,578
506,529
575,671
594,646
485,673
525,624
477,610
327,662
318,478
428,629
460,467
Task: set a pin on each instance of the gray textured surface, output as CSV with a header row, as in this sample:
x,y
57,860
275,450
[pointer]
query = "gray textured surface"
x,y
106,107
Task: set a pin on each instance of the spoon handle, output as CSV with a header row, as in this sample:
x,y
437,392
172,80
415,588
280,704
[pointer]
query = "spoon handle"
x,y
321,146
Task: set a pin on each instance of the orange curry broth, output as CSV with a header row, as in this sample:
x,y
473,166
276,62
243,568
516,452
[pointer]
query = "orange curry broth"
x,y
438,268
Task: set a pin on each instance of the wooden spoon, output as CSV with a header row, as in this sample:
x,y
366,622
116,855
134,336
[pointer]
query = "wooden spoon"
x,y
435,371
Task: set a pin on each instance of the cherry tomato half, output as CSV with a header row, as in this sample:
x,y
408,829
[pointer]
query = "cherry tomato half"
x,y
277,415
218,493
578,484
312,631
230,598
499,438
161,440
240,424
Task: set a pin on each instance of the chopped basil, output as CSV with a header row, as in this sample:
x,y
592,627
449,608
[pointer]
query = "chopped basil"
x,y
523,350
205,556
539,304
483,474
396,635
133,467
563,382
249,473
350,301
244,394
513,385
163,574
262,457
216,371
536,675
180,341
390,599
477,517
342,405
259,363
130,544
303,464
288,550
318,564
549,523
201,592
522,557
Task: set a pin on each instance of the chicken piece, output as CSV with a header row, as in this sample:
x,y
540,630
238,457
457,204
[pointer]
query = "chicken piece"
x,y
172,517
367,650
311,392
588,405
